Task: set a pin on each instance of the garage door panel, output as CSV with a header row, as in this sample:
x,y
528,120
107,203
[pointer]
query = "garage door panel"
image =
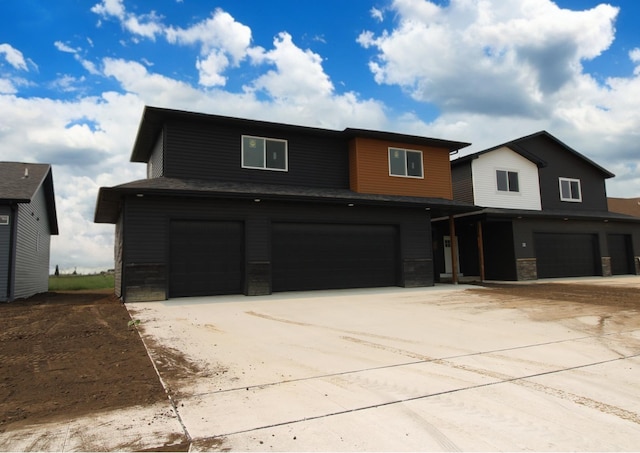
x,y
206,258
322,256
620,253
566,255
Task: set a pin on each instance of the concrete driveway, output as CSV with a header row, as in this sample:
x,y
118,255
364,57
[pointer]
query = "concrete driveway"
x,y
444,368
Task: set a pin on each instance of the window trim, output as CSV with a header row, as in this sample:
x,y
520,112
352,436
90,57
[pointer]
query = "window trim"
x,y
405,150
508,191
265,167
562,179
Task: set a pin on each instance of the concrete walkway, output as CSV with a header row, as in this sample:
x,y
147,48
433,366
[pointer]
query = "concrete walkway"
x,y
392,369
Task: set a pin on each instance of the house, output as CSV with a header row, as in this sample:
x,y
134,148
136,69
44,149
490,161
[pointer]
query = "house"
x,y
236,206
545,214
628,206
27,221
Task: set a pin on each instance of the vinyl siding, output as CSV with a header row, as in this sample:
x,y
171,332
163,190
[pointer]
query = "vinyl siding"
x,y
370,170
562,163
462,181
147,220
32,248
155,166
485,188
117,251
210,151
5,253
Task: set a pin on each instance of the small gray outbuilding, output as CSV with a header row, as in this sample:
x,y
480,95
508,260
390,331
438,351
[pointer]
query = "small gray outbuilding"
x,y
27,220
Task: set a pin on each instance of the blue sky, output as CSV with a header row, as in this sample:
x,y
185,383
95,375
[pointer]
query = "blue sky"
x,y
75,75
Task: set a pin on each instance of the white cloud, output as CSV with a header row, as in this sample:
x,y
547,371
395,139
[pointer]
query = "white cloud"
x,y
211,67
298,75
13,56
501,57
219,32
377,14
144,25
62,47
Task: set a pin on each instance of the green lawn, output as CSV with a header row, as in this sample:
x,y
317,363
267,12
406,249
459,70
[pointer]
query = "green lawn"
x,y
77,282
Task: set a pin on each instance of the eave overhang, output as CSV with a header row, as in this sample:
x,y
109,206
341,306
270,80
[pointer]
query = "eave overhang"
x,y
110,199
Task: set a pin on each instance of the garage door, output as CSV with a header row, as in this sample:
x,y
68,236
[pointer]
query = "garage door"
x,y
326,256
207,258
620,253
566,255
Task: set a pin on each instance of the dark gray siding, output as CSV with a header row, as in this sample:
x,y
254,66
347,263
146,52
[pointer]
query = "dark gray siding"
x,y
155,166
147,230
462,180
209,151
32,247
5,253
563,163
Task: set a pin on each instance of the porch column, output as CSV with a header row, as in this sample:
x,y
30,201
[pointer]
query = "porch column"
x,y
480,250
454,250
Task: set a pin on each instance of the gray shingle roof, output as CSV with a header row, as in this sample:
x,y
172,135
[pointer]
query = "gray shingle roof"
x,y
20,181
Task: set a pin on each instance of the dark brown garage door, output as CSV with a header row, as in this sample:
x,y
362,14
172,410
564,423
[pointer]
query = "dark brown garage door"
x,y
566,255
329,256
620,253
207,258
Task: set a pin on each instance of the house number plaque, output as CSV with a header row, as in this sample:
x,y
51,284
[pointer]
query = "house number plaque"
x,y
4,220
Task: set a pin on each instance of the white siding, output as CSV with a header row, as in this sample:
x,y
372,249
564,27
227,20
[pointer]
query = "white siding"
x,y
485,187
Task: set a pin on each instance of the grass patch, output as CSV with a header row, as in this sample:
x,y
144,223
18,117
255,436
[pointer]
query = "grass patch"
x,y
80,282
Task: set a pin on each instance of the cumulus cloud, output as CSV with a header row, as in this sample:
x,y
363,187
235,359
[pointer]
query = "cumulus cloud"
x,y
298,73
144,25
13,56
501,57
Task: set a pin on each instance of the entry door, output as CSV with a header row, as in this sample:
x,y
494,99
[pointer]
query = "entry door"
x,y
448,265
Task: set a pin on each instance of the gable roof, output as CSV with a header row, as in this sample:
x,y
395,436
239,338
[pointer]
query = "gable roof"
x,y
517,146
153,119
19,182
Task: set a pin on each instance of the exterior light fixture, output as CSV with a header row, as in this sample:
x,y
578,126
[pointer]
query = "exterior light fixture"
x,y
350,205
257,200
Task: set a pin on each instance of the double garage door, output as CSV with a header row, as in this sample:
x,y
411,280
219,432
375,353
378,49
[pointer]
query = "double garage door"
x,y
566,255
578,255
208,257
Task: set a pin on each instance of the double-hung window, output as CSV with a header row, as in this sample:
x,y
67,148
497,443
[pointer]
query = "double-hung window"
x,y
570,190
405,162
264,153
507,181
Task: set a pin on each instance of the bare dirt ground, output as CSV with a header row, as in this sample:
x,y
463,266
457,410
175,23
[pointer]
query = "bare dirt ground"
x,y
64,355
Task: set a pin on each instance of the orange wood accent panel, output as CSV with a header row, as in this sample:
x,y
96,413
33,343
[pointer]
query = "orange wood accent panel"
x,y
369,170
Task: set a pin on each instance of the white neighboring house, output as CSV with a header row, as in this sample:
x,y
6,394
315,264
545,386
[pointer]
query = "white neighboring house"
x,y
505,179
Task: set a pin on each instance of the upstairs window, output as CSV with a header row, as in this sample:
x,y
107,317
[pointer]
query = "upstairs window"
x,y
405,162
264,153
570,190
507,181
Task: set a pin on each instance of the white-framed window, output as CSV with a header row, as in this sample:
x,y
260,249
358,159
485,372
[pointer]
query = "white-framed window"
x,y
570,190
264,153
405,162
507,181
